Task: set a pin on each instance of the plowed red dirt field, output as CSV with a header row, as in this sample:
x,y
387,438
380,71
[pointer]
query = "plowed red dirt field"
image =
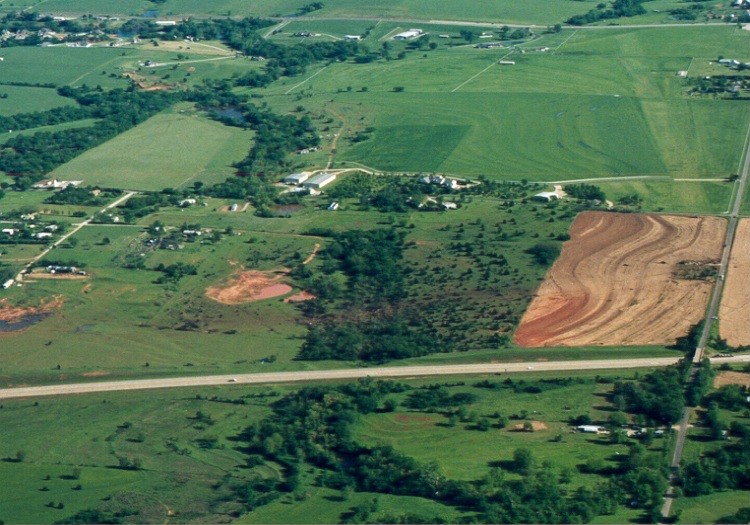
x,y
615,282
734,313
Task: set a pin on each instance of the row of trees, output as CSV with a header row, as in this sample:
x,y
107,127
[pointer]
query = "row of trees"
x,y
618,9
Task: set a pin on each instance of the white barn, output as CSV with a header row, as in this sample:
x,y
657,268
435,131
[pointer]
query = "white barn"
x,y
320,180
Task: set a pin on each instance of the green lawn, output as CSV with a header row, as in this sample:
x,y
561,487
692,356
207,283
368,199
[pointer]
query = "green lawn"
x,y
170,150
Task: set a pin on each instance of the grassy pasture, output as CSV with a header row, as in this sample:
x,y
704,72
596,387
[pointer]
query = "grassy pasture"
x,y
549,117
160,428
465,453
62,65
708,509
673,196
91,432
22,99
169,150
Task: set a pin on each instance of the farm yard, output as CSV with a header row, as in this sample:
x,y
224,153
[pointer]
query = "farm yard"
x,y
625,279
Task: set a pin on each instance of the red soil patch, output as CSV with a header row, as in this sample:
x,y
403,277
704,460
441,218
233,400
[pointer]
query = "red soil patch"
x,y
299,297
731,378
249,286
614,281
15,314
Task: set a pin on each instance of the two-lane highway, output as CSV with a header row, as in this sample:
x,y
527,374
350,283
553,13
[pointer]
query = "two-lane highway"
x,y
346,374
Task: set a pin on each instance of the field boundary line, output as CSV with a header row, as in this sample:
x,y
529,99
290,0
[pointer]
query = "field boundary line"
x,y
723,179
389,33
482,71
308,78
687,71
564,42
607,179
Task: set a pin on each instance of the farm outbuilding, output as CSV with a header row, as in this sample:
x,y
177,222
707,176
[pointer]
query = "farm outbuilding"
x,y
297,178
546,196
320,180
408,35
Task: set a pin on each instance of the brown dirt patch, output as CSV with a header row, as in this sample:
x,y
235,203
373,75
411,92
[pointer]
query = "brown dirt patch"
x,y
734,311
58,276
416,420
613,282
731,378
95,373
536,425
299,297
249,286
16,314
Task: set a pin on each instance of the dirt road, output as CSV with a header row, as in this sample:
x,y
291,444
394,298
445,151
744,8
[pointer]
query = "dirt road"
x,y
352,373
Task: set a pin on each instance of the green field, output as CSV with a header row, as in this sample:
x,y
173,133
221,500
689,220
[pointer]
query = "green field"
x,y
170,150
22,99
63,65
548,117
192,467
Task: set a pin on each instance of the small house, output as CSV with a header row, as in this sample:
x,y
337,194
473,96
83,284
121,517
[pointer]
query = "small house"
x,y
7,284
333,206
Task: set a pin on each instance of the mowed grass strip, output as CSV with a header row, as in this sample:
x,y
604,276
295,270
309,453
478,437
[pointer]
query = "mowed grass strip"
x,y
169,150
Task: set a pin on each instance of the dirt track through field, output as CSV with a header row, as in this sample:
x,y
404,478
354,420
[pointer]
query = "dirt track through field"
x,y
734,313
613,282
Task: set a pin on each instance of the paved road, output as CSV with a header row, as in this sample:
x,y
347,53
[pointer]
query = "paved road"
x,y
351,373
467,23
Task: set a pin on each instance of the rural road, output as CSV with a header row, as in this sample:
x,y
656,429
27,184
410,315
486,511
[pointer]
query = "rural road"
x,y
77,227
345,374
